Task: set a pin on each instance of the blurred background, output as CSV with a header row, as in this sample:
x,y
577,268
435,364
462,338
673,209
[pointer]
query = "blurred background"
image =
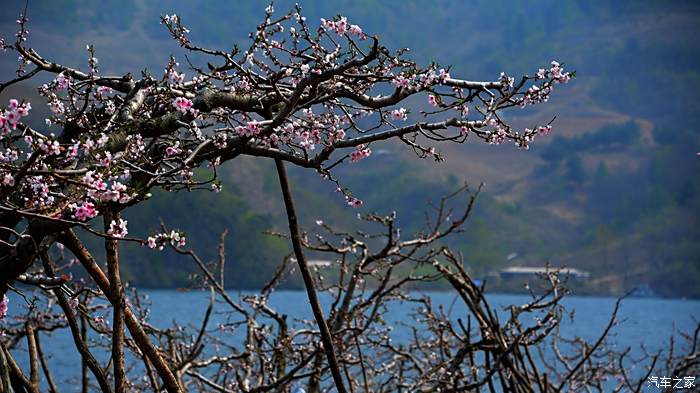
x,y
614,192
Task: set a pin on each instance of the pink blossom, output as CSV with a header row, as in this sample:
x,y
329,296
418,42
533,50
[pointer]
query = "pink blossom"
x,y
12,118
8,180
524,143
88,144
73,150
117,193
170,18
558,74
354,202
182,104
443,74
341,26
432,100
536,94
250,129
118,229
506,81
464,130
24,109
50,147
102,140
545,130
173,150
243,84
186,174
4,306
104,90
174,77
105,160
176,238
309,139
84,212
400,82
357,30
428,79
57,107
62,82
361,153
328,24
399,114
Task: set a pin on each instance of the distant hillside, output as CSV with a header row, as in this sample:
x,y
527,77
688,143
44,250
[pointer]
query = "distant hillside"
x,y
615,191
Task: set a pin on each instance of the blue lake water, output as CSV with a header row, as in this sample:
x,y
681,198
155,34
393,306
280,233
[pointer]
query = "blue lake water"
x,y
645,321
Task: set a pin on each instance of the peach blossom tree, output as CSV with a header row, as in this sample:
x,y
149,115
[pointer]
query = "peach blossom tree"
x,y
312,94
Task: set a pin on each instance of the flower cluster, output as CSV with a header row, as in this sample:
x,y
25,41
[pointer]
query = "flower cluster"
x,y
506,81
540,93
432,100
174,25
4,306
92,61
98,189
422,80
353,202
173,150
174,77
319,107
544,130
183,104
340,26
83,212
362,152
250,129
8,179
401,82
557,73
399,114
62,82
175,238
11,117
118,229
498,134
100,321
537,94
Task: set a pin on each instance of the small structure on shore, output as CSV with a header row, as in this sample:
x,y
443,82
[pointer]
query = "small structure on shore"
x,y
528,271
315,263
